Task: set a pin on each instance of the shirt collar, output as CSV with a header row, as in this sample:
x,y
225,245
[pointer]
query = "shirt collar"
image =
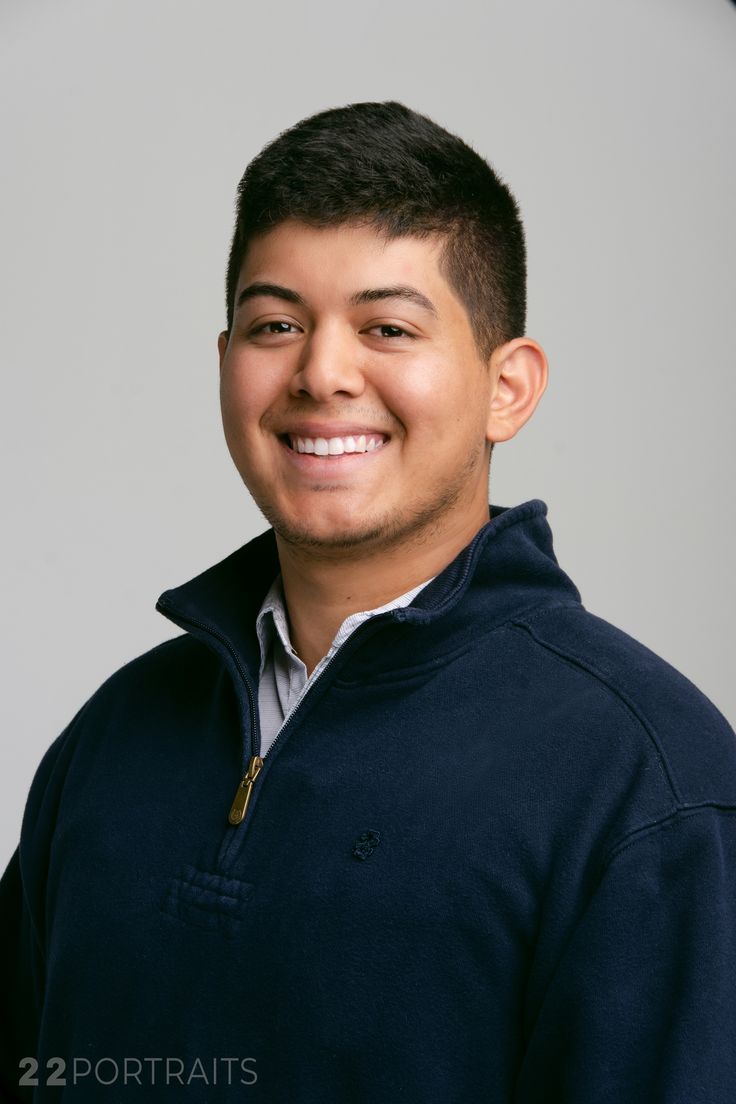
x,y
273,619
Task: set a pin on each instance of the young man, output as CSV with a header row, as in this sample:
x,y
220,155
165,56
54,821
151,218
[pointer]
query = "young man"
x,y
395,818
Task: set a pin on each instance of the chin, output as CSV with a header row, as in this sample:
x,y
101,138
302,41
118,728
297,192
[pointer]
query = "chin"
x,y
315,536
363,536
338,527
318,522
328,530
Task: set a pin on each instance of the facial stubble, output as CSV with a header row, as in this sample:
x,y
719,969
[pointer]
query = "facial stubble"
x,y
411,528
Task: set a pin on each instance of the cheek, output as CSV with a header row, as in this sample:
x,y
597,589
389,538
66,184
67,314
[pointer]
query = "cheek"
x,y
435,400
414,393
230,407
243,398
445,426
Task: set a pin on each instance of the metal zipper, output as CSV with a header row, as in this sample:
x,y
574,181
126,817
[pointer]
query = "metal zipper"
x,y
241,801
239,807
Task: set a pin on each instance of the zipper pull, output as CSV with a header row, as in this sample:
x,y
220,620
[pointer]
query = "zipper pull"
x,y
239,806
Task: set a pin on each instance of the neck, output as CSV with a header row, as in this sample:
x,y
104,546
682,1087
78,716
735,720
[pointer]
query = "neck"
x,y
321,591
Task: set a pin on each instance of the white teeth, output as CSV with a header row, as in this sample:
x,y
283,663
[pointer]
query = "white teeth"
x,y
336,446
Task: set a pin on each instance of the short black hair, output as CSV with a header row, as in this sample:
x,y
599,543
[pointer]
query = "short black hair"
x,y
389,167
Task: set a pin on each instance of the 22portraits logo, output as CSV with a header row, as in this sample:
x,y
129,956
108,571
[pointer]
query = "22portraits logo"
x,y
109,1072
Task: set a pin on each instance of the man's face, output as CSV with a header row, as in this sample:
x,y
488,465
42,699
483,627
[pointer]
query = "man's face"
x,y
354,400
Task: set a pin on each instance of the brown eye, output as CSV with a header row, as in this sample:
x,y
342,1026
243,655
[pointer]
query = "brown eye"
x,y
395,331
266,328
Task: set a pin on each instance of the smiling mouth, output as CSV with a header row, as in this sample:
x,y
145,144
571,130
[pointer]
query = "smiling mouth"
x,y
334,447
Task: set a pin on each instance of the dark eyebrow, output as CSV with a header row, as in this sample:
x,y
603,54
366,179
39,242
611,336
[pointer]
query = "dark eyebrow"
x,y
396,291
274,291
370,295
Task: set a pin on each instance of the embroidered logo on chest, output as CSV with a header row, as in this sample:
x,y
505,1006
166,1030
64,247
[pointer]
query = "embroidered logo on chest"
x,y
366,843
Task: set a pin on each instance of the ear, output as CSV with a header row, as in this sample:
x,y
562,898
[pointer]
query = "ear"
x,y
222,341
518,381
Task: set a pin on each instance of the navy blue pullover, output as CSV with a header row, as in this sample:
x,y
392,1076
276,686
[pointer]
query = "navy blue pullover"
x,y
491,857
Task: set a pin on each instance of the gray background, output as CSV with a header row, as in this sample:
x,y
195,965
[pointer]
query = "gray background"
x,y
125,127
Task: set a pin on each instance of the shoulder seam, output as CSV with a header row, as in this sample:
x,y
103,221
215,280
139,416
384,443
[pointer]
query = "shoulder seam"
x,y
615,691
667,821
626,841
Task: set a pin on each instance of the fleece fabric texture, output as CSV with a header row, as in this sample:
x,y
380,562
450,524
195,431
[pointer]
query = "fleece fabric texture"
x,y
491,857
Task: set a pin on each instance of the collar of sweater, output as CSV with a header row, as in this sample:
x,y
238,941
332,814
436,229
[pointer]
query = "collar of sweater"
x,y
508,569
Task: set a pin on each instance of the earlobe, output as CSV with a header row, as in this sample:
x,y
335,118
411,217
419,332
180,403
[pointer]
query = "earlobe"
x,y
519,373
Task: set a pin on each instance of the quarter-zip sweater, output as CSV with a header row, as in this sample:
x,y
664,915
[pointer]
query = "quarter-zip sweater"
x,y
491,856
283,677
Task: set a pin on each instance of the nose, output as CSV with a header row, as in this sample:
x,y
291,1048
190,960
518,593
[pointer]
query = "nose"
x,y
329,365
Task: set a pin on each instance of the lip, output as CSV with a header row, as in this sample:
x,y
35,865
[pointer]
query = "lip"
x,y
329,466
331,429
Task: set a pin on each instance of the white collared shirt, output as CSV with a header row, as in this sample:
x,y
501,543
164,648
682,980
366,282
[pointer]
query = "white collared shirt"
x,y
283,676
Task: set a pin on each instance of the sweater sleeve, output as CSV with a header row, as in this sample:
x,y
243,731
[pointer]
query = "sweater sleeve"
x,y
22,919
19,967
642,1003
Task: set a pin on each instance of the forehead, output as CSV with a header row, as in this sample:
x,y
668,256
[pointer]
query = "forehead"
x,y
342,260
